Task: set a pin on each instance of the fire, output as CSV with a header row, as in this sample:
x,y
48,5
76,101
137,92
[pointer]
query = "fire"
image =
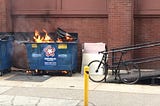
x,y
59,40
42,39
68,37
62,36
64,72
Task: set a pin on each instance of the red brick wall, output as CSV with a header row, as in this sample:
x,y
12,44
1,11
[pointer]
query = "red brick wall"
x,y
120,22
120,25
2,15
89,29
5,16
147,30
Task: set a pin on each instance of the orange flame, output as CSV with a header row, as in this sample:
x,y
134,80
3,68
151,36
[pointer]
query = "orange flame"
x,y
59,40
69,38
42,39
38,38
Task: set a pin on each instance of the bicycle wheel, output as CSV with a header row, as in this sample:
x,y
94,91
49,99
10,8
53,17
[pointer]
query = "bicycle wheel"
x,y
129,73
97,71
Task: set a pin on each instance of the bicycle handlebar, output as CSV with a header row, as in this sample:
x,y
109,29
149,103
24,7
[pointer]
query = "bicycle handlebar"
x,y
107,52
103,52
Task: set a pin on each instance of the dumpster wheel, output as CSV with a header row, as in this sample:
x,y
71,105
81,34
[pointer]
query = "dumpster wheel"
x,y
69,73
34,72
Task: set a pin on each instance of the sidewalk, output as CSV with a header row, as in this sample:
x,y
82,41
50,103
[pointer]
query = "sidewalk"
x,y
20,89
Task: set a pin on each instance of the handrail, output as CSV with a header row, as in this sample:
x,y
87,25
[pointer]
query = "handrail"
x,y
134,47
141,60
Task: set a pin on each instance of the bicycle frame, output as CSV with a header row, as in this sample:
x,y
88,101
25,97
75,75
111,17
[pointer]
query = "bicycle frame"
x,y
115,68
120,69
103,60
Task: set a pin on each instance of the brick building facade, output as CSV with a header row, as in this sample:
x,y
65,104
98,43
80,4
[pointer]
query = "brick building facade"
x,y
116,22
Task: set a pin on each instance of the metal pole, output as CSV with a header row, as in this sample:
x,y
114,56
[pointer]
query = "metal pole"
x,y
86,77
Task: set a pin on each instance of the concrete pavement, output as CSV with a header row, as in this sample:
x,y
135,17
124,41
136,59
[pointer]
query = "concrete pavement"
x,y
20,89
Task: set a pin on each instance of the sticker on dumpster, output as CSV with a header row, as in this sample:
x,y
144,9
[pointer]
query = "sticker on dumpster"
x,y
50,59
34,45
36,55
49,51
50,63
62,46
62,55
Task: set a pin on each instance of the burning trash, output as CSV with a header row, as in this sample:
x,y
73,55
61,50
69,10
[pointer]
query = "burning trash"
x,y
42,39
64,36
58,36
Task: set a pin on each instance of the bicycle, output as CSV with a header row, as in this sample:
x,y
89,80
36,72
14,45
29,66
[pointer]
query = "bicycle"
x,y
127,72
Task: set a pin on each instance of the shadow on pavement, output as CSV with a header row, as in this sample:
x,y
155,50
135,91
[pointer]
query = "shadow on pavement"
x,y
22,76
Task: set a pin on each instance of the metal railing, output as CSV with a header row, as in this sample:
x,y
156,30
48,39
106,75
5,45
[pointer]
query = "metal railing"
x,y
136,47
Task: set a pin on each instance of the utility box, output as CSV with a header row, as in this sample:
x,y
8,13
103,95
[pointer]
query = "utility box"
x,y
90,53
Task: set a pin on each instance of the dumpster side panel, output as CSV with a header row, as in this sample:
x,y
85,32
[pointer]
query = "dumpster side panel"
x,y
52,56
5,54
67,57
33,54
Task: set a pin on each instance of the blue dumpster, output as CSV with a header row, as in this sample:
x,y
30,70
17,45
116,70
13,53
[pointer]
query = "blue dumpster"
x,y
52,56
6,50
